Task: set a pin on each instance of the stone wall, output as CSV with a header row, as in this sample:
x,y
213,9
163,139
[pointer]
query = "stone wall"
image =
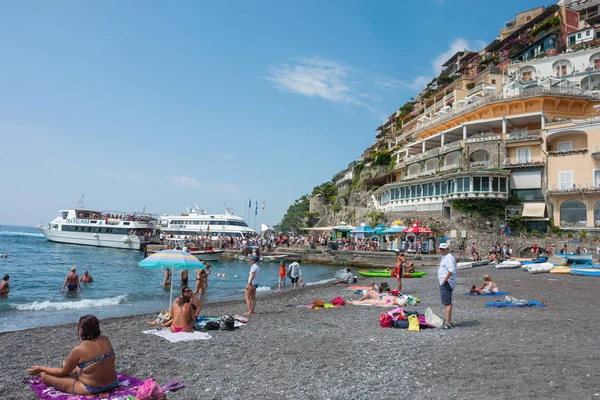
x,y
495,148
316,203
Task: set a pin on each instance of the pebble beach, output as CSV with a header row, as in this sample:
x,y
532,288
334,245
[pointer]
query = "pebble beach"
x,y
288,352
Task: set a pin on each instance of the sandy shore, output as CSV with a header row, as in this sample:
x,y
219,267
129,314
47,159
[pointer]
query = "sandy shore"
x,y
286,352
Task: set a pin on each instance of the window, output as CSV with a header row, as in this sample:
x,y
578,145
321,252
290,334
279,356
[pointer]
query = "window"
x,y
527,76
485,184
565,180
565,146
437,188
493,81
496,185
587,33
597,63
573,213
597,178
561,70
450,187
527,194
528,18
477,184
579,35
523,154
597,214
571,40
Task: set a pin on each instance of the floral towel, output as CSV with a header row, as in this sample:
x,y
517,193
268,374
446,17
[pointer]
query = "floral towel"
x,y
128,385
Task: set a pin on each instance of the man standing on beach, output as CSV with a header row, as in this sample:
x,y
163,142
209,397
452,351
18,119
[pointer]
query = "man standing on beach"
x,y
400,262
252,285
447,280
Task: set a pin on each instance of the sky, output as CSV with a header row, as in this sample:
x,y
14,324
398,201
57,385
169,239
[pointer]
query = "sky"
x,y
159,105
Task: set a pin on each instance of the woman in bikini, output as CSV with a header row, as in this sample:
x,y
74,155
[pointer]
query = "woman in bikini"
x,y
71,282
4,288
383,301
201,279
488,287
89,368
181,312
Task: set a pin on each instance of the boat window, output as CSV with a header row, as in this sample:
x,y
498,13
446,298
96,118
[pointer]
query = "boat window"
x,y
126,223
65,214
55,226
93,222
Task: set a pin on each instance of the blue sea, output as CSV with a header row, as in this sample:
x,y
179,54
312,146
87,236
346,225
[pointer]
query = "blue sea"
x,y
38,267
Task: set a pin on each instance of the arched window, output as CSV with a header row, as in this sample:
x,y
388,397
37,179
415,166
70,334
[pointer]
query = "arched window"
x,y
452,160
528,74
480,158
431,165
573,213
562,67
597,214
595,61
414,169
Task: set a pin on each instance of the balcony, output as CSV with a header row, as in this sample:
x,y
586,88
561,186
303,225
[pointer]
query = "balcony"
x,y
484,137
449,96
515,162
476,89
571,152
480,164
523,136
565,188
449,167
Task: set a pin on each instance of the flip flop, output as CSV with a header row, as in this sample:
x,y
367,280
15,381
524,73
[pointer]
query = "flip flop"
x,y
173,386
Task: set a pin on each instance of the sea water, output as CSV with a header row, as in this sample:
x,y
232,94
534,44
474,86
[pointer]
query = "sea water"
x,y
38,267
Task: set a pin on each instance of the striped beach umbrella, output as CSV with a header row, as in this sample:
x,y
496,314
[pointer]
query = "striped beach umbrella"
x,y
171,259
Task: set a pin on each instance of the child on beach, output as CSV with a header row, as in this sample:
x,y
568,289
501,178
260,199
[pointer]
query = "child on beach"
x,y
282,273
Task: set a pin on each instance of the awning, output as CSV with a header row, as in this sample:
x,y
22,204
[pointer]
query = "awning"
x,y
534,210
526,180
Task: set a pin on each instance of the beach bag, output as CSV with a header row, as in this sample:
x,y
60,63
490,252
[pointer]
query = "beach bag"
x,y
397,313
413,323
212,325
338,301
394,292
150,390
401,324
385,321
227,323
422,321
432,319
318,303
384,287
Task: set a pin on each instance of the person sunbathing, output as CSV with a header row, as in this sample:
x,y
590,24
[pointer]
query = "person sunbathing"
x,y
90,366
181,312
381,300
163,319
488,287
410,268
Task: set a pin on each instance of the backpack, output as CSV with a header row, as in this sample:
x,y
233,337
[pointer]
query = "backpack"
x,y
212,325
295,268
385,321
384,287
318,303
227,323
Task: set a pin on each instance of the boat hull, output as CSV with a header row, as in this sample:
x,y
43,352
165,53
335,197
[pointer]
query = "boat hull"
x,y
207,255
127,242
577,258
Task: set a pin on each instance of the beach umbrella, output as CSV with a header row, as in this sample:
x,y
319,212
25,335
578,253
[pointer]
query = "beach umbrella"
x,y
380,229
363,229
394,229
171,259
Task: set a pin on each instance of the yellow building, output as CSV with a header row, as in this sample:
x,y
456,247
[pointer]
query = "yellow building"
x,y
573,166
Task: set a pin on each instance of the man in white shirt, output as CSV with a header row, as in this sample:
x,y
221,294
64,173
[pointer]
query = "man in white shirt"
x,y
348,277
252,285
447,280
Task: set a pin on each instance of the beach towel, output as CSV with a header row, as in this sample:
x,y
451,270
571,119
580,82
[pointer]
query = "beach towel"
x,y
178,337
128,385
488,294
503,304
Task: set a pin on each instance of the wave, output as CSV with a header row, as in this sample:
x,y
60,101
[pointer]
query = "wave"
x,y
263,289
321,282
48,305
29,234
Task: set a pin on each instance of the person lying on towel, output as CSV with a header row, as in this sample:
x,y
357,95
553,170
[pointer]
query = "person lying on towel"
x,y
381,300
488,287
90,366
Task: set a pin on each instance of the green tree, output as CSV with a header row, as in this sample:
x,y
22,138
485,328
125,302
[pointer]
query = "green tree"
x,y
327,190
295,216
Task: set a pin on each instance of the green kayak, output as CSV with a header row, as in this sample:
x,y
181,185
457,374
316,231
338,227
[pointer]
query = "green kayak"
x,y
382,273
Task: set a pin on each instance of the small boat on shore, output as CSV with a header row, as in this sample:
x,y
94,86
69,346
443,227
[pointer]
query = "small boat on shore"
x,y
577,258
383,273
585,271
471,264
509,264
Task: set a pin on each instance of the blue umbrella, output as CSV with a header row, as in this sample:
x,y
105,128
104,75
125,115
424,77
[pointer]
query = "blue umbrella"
x,y
380,229
363,229
394,229
171,259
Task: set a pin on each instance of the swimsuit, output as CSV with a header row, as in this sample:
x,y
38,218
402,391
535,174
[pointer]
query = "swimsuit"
x,y
178,329
72,288
97,389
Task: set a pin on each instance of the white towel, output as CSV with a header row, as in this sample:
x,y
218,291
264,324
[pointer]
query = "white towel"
x,y
178,337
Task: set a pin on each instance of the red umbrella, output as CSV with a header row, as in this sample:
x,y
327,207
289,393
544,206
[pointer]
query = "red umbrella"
x,y
417,229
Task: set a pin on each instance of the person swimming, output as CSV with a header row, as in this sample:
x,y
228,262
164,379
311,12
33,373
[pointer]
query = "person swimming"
x,y
4,288
71,282
86,278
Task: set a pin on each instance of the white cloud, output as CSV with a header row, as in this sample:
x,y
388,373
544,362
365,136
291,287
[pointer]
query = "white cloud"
x,y
193,183
114,175
314,77
185,181
459,44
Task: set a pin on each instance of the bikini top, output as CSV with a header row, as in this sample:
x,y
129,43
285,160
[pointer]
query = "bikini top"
x,y
100,358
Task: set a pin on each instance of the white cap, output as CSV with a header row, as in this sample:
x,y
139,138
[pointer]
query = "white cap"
x,y
444,246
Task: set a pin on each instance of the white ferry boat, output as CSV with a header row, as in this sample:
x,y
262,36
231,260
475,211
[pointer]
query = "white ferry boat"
x,y
196,222
102,229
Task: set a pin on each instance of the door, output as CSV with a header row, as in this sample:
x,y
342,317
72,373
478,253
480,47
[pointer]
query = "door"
x,y
597,178
565,180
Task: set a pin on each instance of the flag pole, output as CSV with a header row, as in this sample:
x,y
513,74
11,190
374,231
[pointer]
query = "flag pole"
x,y
255,214
262,216
249,207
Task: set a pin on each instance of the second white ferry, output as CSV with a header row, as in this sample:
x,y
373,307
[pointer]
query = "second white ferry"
x,y
196,222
